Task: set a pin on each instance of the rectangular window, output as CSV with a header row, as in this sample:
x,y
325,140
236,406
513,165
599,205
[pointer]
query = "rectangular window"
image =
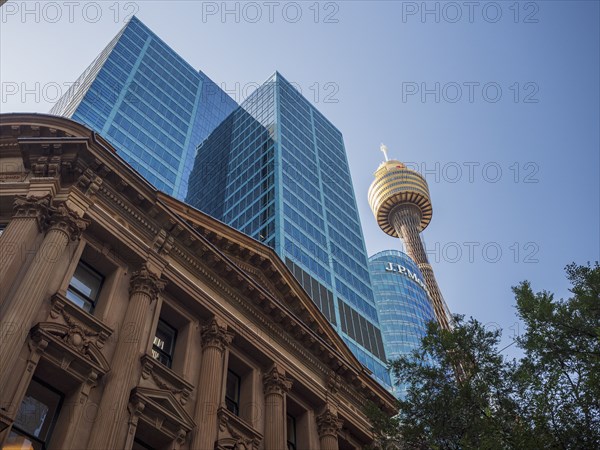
x,y
291,433
36,418
164,343
232,392
2,228
85,286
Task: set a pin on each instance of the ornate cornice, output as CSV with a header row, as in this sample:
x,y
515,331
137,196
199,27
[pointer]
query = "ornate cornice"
x,y
275,381
145,282
328,424
216,335
32,207
62,218
89,182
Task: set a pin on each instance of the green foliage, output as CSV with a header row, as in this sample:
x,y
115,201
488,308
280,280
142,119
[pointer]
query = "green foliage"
x,y
463,394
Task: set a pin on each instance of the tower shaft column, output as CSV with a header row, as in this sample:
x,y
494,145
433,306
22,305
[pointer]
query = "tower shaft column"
x,y
406,219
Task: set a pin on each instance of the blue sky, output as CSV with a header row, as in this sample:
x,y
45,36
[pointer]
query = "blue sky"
x,y
497,103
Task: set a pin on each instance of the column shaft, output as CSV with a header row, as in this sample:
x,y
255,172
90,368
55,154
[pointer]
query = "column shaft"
x,y
215,339
274,422
19,312
276,385
112,417
329,442
19,237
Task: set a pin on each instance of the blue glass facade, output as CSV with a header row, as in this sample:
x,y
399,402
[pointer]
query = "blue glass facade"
x,y
402,302
277,170
150,104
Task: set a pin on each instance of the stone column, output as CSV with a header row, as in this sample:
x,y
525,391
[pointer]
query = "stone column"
x,y
19,311
215,340
276,385
329,426
111,422
19,237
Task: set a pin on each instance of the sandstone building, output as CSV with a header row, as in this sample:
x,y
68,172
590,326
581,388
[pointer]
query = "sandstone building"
x,y
130,320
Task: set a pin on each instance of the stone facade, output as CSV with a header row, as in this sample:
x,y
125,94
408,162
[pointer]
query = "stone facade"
x,y
95,265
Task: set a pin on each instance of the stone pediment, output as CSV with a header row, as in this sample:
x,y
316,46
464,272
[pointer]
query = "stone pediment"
x,y
71,348
235,434
157,376
162,411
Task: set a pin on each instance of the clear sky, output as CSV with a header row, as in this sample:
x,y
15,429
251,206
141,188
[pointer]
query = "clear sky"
x,y
497,103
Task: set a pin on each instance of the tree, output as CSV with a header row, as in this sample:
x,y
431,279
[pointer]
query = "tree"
x,y
559,377
463,394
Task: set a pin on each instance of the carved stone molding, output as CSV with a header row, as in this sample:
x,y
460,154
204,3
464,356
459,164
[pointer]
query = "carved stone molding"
x,y
146,282
216,335
32,207
334,383
163,243
159,375
328,424
84,328
89,182
71,350
275,381
158,410
62,218
235,434
48,166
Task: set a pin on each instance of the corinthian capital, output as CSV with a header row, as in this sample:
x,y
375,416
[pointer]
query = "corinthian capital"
x,y
62,218
146,282
216,335
328,423
276,382
32,207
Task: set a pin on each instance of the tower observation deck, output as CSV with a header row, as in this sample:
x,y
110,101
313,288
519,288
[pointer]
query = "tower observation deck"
x,y
399,199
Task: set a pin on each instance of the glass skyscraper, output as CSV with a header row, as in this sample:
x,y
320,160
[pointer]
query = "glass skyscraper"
x,y
276,169
402,302
150,104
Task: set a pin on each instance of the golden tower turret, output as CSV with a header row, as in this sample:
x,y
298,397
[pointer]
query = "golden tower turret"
x,y
399,199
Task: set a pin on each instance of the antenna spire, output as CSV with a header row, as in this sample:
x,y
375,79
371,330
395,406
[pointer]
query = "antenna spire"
x,y
384,149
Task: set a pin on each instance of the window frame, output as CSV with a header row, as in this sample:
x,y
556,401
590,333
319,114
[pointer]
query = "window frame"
x,y
78,293
35,440
168,354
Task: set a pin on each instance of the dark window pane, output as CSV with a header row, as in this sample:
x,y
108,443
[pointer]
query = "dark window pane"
x,y
291,433
232,392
